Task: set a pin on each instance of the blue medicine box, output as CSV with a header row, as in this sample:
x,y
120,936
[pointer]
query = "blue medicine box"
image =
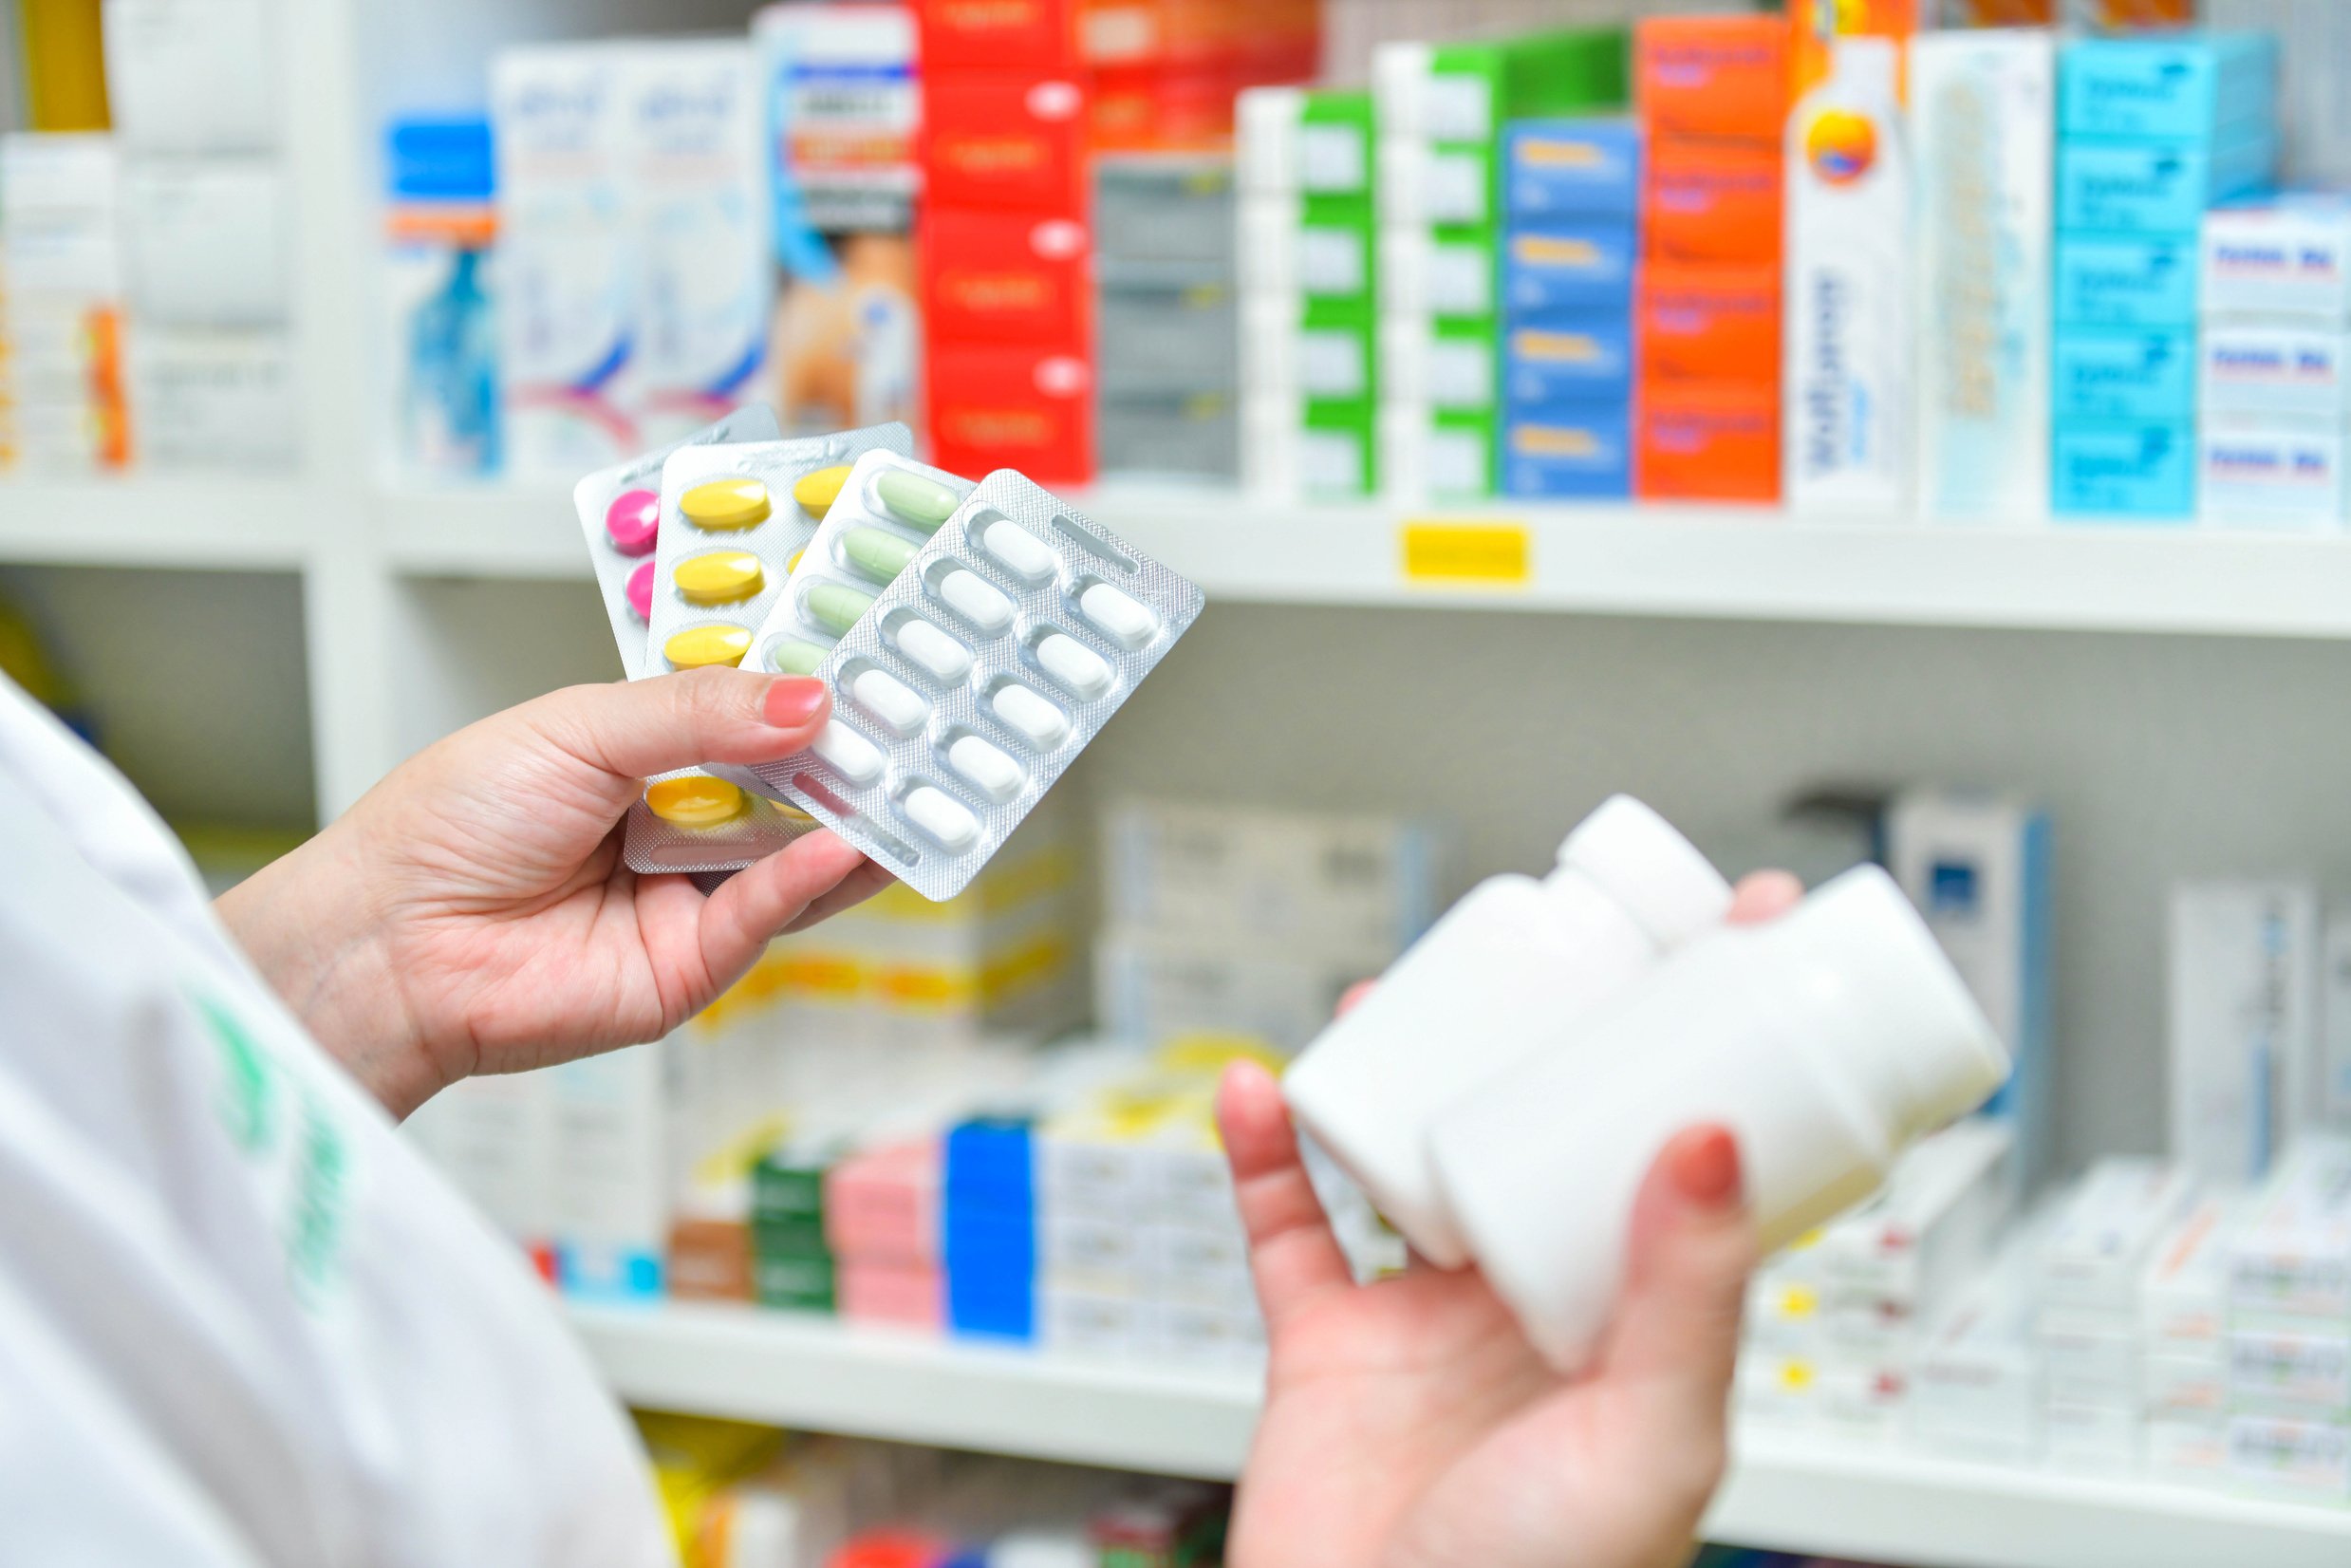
x,y
1571,168
2123,373
2185,85
2158,187
1586,265
1567,359
2134,472
2125,281
1569,452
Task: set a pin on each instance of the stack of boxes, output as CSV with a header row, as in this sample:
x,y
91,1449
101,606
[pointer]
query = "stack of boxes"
x,y
988,1228
1713,101
207,231
2151,133
882,1213
2289,1331
1571,199
1443,113
2275,366
2094,1261
1016,99
62,256
1834,1324
1249,924
2184,1368
1976,1388
1309,269
1166,311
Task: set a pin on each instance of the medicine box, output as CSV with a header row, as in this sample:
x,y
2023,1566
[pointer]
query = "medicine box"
x,y
2270,476
2291,1369
1712,77
186,78
1569,268
1446,364
2119,373
1320,247
1437,272
1006,406
1566,359
2093,1255
1003,140
2092,1439
1706,442
2158,187
1925,1234
2292,1258
2185,86
1557,170
998,277
1165,207
2184,1296
1712,203
1419,184
1165,330
1446,454
608,1175
1708,323
1151,989
2187,1452
2310,1460
1569,452
2143,471
206,242
1194,435
1025,35
1465,92
1334,143
217,399
1338,454
2256,369
2243,967
2108,281
2289,259
1977,1386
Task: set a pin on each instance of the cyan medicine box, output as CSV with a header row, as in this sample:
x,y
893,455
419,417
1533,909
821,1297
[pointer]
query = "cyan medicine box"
x,y
2123,373
2122,471
1577,267
1568,359
2156,187
2186,85
2125,281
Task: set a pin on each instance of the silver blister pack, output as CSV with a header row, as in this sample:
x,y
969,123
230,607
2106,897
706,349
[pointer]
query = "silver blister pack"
x,y
738,831
619,510
928,774
737,559
886,511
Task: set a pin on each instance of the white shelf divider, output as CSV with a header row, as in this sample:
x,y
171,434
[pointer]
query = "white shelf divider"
x,y
820,1374
199,522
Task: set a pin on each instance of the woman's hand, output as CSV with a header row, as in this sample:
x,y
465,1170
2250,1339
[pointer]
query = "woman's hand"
x,y
471,914
1408,1423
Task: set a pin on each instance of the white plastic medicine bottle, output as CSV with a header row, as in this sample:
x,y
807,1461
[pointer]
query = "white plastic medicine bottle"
x,y
1501,974
1826,1041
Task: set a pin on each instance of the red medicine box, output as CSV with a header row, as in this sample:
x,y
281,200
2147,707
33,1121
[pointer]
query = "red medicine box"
x,y
1028,408
1003,278
1007,141
963,35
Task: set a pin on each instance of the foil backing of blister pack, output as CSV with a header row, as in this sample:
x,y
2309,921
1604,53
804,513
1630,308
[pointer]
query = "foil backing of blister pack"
x,y
593,499
873,815
652,843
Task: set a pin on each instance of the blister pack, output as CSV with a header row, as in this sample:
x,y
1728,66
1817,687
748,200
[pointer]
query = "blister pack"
x,y
1035,624
885,513
734,518
619,512
693,821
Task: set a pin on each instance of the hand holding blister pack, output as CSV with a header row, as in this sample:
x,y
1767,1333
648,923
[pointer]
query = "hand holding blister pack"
x,y
975,676
1507,1087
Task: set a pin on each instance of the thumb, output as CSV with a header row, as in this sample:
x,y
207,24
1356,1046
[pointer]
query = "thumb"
x,y
638,728
1693,1246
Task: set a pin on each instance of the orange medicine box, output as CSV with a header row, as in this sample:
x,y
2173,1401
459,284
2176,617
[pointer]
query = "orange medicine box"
x,y
1712,77
1004,140
1712,203
1003,278
1706,443
1708,323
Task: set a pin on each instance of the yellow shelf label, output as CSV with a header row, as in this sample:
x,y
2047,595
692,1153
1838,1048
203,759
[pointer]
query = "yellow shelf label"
x,y
1499,554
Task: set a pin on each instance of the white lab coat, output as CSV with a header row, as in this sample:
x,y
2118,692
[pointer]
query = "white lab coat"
x,y
241,1321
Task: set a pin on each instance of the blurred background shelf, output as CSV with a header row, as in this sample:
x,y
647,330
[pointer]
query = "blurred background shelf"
x,y
161,521
1723,563
815,1372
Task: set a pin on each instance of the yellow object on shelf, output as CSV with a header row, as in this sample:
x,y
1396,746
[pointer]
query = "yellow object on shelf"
x,y
64,65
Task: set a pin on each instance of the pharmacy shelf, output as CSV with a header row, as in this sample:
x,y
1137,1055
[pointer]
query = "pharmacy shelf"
x,y
819,1375
1722,563
204,523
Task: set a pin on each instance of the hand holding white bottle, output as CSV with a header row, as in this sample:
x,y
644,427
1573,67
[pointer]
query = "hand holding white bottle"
x,y
1498,979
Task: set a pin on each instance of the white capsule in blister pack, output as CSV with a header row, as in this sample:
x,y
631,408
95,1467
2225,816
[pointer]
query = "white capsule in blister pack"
x,y
620,510
734,521
886,511
1056,621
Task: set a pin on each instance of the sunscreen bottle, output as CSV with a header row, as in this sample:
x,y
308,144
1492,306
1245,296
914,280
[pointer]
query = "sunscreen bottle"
x,y
1827,1041
1505,972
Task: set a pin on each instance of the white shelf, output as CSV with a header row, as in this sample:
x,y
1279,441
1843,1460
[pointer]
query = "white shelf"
x,y
817,1373
159,520
1716,563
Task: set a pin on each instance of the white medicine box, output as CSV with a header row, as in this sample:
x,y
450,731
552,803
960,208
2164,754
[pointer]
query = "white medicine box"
x,y
193,76
205,241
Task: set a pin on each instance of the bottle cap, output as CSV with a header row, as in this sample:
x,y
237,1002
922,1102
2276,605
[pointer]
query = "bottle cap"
x,y
1638,858
1883,999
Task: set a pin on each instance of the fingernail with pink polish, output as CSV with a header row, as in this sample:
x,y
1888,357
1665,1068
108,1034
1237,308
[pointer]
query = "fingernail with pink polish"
x,y
793,700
